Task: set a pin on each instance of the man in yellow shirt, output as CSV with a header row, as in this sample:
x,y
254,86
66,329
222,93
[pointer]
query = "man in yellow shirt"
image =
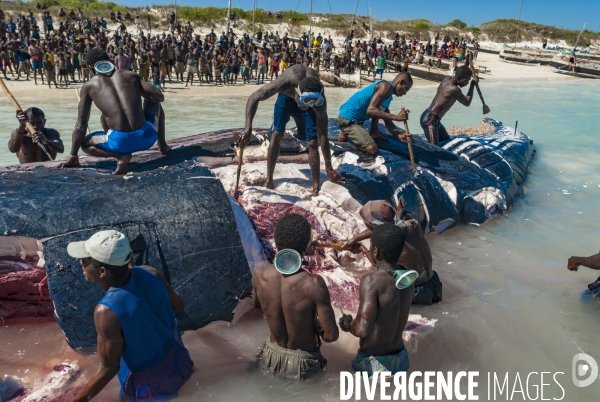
x,y
50,57
317,45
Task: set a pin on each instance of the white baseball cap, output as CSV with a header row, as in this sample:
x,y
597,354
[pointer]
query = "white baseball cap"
x,y
107,246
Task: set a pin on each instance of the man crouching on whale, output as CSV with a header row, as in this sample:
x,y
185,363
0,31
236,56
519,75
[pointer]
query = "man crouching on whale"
x,y
129,125
300,96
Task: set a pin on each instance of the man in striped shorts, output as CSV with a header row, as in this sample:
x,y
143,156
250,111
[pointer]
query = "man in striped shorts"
x,y
447,94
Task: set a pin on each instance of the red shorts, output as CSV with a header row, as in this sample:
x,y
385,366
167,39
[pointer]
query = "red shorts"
x,y
275,68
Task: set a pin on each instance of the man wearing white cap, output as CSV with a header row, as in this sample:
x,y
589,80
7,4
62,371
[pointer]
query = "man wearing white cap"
x,y
138,337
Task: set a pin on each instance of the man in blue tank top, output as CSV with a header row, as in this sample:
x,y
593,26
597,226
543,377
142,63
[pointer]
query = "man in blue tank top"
x,y
138,337
372,102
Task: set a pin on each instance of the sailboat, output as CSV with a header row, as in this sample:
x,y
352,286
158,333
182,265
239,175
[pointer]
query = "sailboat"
x,y
515,56
591,71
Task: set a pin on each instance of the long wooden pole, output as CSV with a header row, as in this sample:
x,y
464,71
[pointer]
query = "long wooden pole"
x,y
486,108
518,23
310,28
579,37
370,20
253,17
410,149
236,192
354,15
29,126
228,15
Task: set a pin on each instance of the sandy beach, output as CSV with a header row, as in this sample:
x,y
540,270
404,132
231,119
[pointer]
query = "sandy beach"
x,y
500,72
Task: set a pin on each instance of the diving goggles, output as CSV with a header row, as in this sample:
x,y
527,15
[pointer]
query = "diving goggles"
x,y
311,99
105,68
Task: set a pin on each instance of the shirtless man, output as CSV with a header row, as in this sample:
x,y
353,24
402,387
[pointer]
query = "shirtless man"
x,y
25,145
416,254
130,126
383,308
373,102
592,262
447,94
301,97
297,308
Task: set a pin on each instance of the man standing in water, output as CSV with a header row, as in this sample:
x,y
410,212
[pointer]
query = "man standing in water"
x,y
138,337
447,94
297,307
25,145
372,103
300,96
416,254
592,262
130,126
383,308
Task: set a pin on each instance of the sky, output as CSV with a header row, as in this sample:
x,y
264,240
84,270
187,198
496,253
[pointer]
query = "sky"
x,y
565,14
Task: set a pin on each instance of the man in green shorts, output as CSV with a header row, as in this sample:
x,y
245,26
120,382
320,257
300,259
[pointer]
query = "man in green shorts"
x,y
372,102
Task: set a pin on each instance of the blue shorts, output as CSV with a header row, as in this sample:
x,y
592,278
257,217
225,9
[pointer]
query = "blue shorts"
x,y
379,71
306,120
122,143
37,65
371,364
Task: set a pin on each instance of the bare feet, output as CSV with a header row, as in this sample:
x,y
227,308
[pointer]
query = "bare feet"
x,y
342,137
122,164
269,184
164,149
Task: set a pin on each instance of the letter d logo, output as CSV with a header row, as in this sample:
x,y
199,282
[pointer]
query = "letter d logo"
x,y
580,370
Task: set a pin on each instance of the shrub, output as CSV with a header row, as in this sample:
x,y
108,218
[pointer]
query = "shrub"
x,y
421,26
457,24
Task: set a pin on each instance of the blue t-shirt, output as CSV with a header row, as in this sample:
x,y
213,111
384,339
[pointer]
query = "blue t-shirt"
x,y
355,108
22,56
154,364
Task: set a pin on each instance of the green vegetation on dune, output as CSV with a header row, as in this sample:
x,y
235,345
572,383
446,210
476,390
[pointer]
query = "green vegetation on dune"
x,y
457,24
506,30
501,30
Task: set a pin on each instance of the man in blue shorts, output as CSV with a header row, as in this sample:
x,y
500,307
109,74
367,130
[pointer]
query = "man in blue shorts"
x,y
129,125
301,97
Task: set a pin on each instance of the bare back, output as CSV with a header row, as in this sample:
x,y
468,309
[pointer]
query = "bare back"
x,y
382,314
292,305
446,96
285,84
416,255
119,98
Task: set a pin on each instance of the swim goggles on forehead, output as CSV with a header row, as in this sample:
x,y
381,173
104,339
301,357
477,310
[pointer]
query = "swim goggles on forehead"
x,y
105,68
311,99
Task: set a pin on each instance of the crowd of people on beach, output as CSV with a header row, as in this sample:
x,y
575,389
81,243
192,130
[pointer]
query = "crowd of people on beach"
x,y
54,48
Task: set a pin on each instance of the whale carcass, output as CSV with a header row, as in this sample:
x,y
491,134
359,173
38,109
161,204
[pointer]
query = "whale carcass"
x,y
179,217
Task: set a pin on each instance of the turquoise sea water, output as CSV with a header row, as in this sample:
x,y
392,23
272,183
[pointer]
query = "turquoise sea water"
x,y
510,305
